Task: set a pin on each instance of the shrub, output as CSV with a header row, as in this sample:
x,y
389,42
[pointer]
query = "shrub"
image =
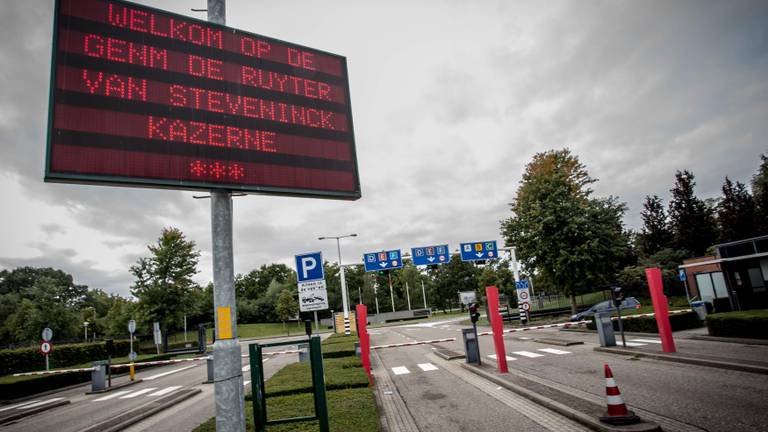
x,y
30,359
745,324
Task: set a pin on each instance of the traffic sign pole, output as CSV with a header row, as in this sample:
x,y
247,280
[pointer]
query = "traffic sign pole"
x,y
228,373
344,300
391,292
424,294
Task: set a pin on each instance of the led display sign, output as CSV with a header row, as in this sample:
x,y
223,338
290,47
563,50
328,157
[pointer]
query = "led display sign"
x,y
144,97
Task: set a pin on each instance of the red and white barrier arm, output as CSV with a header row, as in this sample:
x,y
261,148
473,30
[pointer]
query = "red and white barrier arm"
x,y
413,343
274,353
158,362
53,372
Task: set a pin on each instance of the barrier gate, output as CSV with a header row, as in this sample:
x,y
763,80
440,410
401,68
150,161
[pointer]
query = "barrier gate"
x,y
260,421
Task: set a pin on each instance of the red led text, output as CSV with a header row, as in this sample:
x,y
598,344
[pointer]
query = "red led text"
x,y
200,133
125,52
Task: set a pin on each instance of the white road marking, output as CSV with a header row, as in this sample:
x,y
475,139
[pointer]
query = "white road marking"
x,y
400,370
527,354
246,368
246,382
553,351
632,344
493,356
426,367
524,338
165,391
160,375
21,405
138,393
112,396
41,403
653,341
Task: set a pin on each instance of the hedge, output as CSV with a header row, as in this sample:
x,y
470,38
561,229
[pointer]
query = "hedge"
x,y
680,321
29,359
340,373
746,324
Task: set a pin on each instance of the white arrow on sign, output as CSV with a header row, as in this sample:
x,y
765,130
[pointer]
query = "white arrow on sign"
x,y
479,254
430,259
383,264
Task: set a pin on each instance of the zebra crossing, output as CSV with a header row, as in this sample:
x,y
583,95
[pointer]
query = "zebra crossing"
x,y
403,370
531,354
30,404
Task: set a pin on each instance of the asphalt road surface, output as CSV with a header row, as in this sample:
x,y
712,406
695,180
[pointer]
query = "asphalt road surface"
x,y
86,410
680,396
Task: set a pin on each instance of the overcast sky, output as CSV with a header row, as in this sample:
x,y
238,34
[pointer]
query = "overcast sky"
x,y
450,100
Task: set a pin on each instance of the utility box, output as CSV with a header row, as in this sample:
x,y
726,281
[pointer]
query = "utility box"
x,y
700,308
99,376
605,329
471,347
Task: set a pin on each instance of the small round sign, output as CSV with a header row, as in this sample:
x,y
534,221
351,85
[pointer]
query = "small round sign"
x,y
132,356
47,334
526,306
524,295
46,347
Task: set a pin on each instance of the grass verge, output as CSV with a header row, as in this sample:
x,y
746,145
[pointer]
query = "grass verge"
x,y
351,407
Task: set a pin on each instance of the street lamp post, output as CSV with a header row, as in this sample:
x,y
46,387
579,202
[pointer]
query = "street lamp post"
x,y
344,301
85,326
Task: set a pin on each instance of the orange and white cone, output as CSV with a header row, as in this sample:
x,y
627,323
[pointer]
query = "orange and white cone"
x,y
617,410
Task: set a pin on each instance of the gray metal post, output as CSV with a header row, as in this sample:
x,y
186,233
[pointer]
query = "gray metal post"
x,y
344,300
376,295
424,294
228,375
391,292
408,294
317,323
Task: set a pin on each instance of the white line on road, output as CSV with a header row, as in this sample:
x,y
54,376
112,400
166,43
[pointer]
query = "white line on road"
x,y
246,382
654,341
41,403
167,373
553,351
527,354
138,393
165,391
21,405
246,368
426,367
400,370
112,396
493,356
634,344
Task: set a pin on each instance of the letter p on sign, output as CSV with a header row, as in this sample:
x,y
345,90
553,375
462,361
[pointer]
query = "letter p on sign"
x,y
309,266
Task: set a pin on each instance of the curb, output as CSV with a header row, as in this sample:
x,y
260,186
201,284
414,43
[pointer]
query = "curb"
x,y
744,341
559,342
115,387
138,414
561,409
33,411
741,367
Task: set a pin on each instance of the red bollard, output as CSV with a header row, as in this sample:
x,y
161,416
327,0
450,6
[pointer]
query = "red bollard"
x,y
365,339
660,308
492,294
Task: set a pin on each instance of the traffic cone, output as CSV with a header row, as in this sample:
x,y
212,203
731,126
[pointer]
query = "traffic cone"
x,y
617,414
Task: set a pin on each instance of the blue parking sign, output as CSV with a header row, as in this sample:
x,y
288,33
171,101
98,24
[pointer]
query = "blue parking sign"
x,y
309,266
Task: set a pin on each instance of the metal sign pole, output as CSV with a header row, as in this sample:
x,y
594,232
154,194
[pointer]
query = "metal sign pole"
x,y
408,294
424,294
228,374
391,292
344,300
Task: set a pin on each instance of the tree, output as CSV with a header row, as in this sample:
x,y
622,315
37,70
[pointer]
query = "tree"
x,y
760,194
691,220
736,215
164,282
563,234
452,278
287,307
655,234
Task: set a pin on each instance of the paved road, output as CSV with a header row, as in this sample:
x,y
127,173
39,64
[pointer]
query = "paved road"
x,y
689,397
442,398
87,410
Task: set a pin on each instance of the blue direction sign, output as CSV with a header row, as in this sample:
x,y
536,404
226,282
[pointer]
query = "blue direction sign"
x,y
522,284
682,275
477,251
429,255
309,266
384,260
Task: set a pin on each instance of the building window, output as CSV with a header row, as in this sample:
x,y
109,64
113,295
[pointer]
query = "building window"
x,y
756,279
711,286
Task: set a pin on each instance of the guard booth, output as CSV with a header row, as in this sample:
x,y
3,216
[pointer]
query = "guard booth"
x,y
260,421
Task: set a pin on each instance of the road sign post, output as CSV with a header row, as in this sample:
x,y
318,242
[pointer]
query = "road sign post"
x,y
46,346
523,300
